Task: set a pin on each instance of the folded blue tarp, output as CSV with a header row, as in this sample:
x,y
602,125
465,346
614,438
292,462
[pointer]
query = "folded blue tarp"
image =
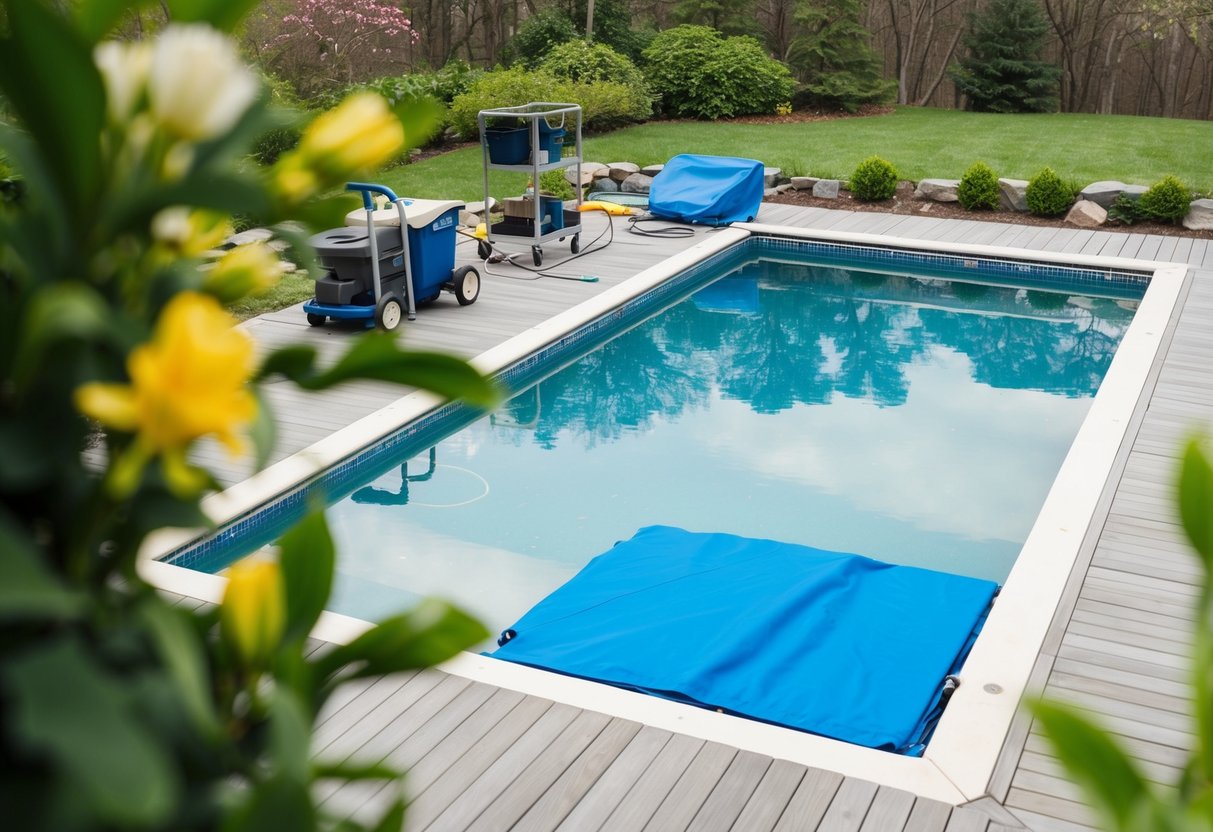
x,y
712,190
835,644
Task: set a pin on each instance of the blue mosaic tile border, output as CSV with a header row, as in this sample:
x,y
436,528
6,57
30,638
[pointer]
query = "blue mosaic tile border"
x,y
1017,273
264,524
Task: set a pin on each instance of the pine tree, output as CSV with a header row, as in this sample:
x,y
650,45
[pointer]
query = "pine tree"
x,y
833,58
1004,73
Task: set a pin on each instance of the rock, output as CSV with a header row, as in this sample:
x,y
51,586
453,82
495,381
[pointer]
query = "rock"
x,y
784,188
804,183
605,185
478,207
770,176
637,183
652,170
1013,194
1102,193
570,175
826,188
252,235
596,169
767,193
938,190
1087,214
1200,215
622,170
1134,192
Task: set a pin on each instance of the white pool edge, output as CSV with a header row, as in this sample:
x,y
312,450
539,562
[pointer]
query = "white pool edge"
x,y
962,755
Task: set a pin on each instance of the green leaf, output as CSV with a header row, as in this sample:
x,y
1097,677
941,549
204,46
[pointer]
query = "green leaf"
x,y
277,803
427,635
290,736
377,356
421,118
293,362
321,214
263,432
354,771
48,77
183,654
228,193
222,14
393,818
1196,501
307,557
1202,699
59,312
97,17
28,589
65,707
1110,780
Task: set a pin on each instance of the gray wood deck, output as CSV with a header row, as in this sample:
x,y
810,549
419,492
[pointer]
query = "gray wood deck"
x,y
488,758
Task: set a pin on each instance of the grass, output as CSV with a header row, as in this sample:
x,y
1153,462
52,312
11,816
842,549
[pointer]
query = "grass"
x,y
291,289
920,143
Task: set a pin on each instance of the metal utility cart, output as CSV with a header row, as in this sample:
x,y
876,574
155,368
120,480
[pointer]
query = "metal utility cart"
x,y
532,138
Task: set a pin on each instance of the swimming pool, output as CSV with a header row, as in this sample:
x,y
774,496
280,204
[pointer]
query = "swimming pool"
x,y
1031,589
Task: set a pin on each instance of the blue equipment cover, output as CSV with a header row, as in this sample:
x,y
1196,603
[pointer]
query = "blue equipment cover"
x,y
712,190
835,644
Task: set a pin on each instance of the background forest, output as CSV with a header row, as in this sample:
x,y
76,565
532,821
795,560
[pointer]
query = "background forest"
x,y
1129,57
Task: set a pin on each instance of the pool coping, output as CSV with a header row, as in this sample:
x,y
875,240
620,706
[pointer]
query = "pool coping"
x,y
960,761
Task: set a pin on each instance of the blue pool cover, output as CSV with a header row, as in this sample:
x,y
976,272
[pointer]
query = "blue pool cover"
x,y
835,644
711,190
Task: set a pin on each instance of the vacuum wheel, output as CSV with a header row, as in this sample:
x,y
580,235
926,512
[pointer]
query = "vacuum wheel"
x,y
467,285
388,313
537,255
316,320
483,249
575,244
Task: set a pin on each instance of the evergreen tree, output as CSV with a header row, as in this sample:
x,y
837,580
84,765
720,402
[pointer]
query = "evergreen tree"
x,y
1004,73
731,17
833,58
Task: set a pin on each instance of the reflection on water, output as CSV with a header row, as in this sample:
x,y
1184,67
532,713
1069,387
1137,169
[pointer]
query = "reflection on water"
x,y
916,421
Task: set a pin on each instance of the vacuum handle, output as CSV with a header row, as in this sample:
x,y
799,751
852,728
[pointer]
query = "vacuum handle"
x,y
367,189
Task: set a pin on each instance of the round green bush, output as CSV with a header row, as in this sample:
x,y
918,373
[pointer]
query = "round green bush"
x,y
699,73
873,180
1167,200
537,35
978,189
1047,195
580,60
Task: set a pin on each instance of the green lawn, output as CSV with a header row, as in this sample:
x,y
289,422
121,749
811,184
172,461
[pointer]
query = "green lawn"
x,y
920,142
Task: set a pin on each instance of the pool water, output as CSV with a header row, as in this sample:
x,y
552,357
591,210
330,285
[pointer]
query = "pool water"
x,y
914,420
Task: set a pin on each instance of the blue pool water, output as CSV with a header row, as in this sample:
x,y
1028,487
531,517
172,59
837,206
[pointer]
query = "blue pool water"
x,y
914,420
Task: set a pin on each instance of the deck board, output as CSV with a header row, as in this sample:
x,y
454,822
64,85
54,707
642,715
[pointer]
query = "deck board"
x,y
495,759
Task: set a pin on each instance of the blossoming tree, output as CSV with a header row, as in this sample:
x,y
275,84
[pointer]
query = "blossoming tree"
x,y
121,711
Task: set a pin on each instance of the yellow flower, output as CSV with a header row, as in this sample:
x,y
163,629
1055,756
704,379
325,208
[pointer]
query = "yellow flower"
x,y
190,232
198,85
189,381
253,615
359,134
251,269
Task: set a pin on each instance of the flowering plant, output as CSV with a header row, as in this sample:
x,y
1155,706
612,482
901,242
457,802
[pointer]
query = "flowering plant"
x,y
119,710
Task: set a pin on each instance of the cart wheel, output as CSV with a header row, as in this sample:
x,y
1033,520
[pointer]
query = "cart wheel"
x,y
467,285
316,320
575,244
388,313
483,249
537,255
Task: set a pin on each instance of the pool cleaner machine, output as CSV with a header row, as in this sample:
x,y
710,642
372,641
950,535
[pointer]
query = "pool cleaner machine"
x,y
403,256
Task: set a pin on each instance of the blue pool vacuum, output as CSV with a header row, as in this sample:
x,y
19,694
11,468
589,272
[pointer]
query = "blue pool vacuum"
x,y
404,256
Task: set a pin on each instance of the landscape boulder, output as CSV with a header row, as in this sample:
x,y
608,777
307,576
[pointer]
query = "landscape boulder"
x,y
1013,194
637,183
826,188
622,170
770,176
804,183
652,170
1087,214
938,190
1103,193
1200,215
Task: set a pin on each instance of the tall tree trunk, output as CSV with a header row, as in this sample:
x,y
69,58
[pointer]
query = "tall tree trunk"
x,y
589,20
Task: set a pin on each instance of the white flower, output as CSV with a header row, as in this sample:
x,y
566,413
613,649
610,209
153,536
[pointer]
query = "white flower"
x,y
124,68
199,86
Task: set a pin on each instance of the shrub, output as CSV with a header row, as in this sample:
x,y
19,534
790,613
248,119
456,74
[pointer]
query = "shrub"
x,y
580,60
1167,200
873,180
1003,72
274,142
604,104
1047,195
1125,210
978,188
553,183
537,36
699,73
